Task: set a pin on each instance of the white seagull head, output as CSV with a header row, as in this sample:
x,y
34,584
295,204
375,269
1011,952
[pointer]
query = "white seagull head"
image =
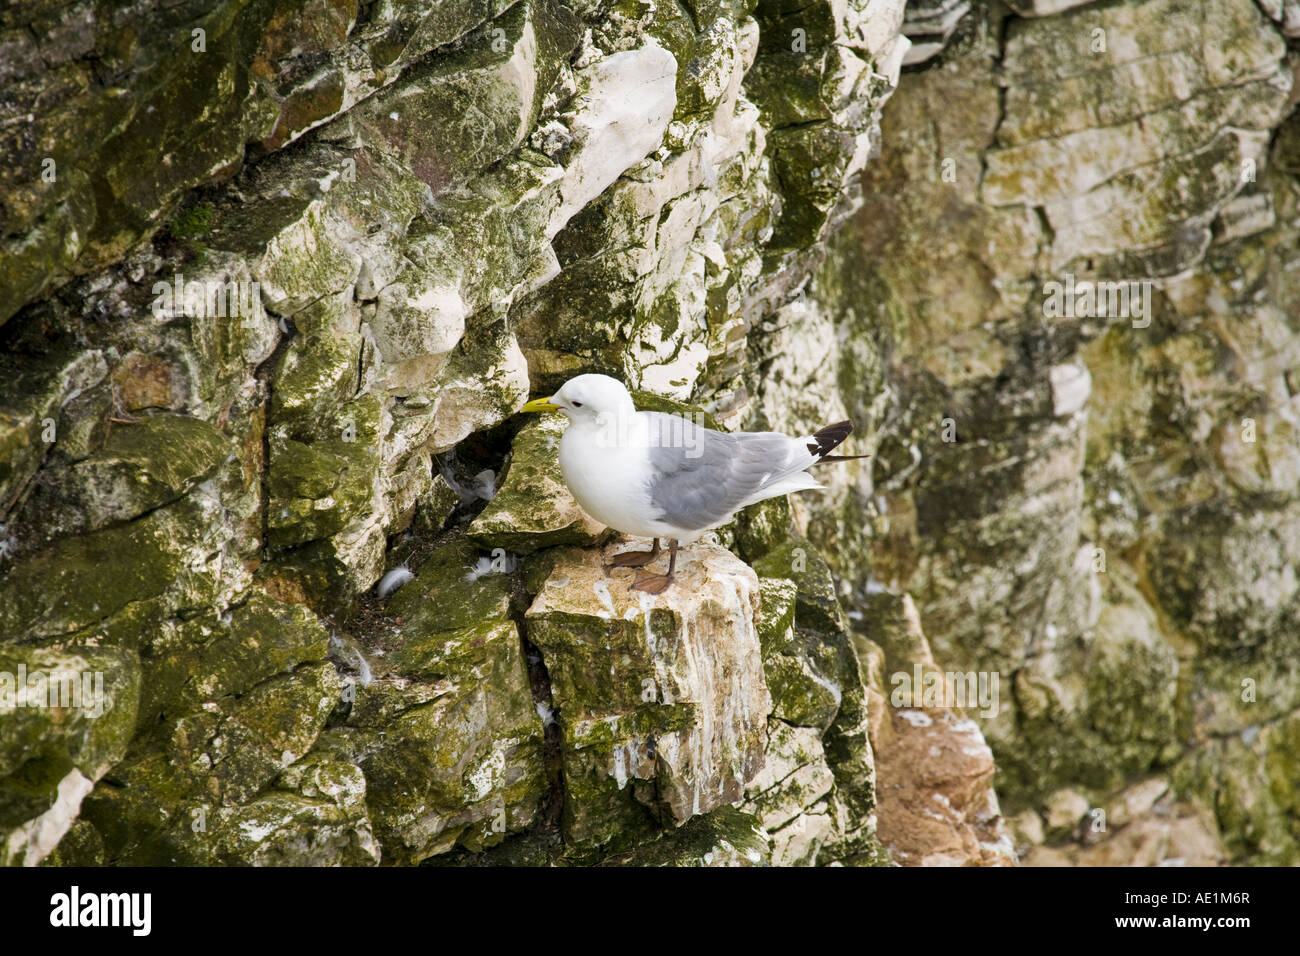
x,y
593,399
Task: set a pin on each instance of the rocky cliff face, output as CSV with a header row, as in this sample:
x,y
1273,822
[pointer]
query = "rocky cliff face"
x,y
277,276
1114,528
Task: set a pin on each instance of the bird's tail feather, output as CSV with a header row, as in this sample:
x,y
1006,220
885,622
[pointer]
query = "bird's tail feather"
x,y
822,442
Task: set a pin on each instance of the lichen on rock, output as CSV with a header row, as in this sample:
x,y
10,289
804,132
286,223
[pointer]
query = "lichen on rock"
x,y
268,310
662,702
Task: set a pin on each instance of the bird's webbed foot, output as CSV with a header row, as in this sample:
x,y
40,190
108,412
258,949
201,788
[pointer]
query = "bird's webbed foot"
x,y
633,559
651,583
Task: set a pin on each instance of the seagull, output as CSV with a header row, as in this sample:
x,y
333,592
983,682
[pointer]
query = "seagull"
x,y
655,475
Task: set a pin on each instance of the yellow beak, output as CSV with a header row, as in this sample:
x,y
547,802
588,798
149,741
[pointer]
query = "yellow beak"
x,y
540,405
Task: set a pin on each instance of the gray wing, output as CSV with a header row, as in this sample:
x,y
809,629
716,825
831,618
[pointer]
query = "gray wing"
x,y
704,477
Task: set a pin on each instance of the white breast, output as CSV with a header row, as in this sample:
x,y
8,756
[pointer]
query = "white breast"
x,y
609,481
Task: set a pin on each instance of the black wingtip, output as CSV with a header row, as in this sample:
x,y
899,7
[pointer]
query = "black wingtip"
x,y
829,437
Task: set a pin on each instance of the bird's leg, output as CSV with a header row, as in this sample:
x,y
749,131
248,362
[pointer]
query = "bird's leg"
x,y
657,583
634,559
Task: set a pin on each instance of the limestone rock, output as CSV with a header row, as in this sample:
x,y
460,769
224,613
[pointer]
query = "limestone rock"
x,y
937,806
142,466
1178,835
725,837
605,139
245,402
818,680
662,701
317,816
934,770
66,717
33,394
426,211
504,73
929,24
446,731
790,795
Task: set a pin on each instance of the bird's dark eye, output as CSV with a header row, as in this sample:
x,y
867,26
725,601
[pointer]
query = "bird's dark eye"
x,y
577,404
